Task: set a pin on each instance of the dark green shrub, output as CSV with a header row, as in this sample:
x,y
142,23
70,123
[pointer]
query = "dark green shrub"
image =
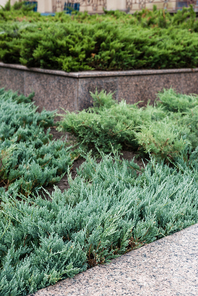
x,y
7,6
114,41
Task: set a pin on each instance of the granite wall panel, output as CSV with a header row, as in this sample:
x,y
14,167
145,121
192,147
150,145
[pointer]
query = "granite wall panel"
x,y
52,92
71,91
12,79
87,85
190,83
135,89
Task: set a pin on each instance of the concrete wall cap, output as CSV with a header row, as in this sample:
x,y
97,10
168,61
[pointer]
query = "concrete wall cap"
x,y
90,74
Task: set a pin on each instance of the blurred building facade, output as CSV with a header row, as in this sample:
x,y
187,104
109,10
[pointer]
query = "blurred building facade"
x,y
96,6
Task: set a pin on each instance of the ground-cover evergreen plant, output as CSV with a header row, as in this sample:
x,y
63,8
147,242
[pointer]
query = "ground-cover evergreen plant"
x,y
108,210
165,130
112,206
113,41
29,158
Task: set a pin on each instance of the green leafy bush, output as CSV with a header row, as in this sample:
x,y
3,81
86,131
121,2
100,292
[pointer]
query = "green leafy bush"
x,y
176,102
28,157
113,41
108,210
22,5
165,130
184,113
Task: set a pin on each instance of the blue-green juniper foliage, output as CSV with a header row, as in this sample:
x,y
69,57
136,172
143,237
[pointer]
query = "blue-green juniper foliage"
x,y
110,208
28,157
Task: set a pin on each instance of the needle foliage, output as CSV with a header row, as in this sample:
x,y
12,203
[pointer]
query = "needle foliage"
x,y
113,41
108,210
28,157
111,207
165,130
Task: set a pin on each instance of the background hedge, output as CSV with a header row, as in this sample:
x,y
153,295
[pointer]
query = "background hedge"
x,y
113,41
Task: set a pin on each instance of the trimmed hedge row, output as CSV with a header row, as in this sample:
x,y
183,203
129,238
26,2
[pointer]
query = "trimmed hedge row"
x,y
114,41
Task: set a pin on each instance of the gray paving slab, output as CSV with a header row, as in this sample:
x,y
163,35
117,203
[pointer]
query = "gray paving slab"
x,y
168,266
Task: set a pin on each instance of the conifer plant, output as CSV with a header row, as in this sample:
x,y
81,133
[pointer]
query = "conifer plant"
x,y
29,158
164,130
111,207
113,41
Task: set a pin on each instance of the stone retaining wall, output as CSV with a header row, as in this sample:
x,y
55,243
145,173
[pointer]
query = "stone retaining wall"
x,y
71,91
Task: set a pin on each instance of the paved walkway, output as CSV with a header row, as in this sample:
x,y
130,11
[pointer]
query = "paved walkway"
x,y
166,267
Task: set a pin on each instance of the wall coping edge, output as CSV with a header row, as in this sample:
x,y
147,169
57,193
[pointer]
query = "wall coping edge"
x,y
90,74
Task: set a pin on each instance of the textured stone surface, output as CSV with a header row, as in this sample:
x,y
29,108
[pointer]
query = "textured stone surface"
x,y
89,74
71,91
134,89
190,83
165,267
12,79
91,84
52,92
